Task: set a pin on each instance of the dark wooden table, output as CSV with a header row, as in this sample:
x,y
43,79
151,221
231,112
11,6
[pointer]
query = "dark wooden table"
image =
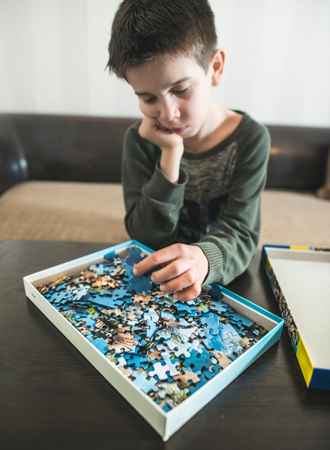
x,y
52,398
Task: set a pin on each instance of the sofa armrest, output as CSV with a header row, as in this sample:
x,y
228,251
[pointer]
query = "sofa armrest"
x,y
13,164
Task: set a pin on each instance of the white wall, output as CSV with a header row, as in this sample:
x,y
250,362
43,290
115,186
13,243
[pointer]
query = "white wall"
x,y
53,54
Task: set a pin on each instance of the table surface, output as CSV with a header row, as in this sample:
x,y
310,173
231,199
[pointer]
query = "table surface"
x,y
52,397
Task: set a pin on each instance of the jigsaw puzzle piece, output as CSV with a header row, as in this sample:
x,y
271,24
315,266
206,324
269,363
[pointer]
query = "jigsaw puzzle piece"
x,y
211,321
231,341
130,257
160,371
144,383
197,361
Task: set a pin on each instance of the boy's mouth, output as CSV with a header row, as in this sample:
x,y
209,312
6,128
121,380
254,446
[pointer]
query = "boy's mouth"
x,y
176,130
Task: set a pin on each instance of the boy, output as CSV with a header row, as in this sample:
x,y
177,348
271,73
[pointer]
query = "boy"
x,y
193,170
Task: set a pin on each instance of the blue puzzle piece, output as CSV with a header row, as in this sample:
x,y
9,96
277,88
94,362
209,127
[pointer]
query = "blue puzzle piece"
x,y
197,361
151,317
102,300
231,340
136,361
99,343
145,384
220,308
138,284
210,372
119,293
245,321
213,342
59,297
188,310
110,255
89,322
211,321
141,284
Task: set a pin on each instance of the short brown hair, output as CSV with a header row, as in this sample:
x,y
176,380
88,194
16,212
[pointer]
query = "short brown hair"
x,y
143,29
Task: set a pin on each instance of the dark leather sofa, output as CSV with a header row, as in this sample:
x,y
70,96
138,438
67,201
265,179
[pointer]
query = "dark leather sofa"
x,y
76,150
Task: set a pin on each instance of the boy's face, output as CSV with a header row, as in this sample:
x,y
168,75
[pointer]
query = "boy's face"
x,y
176,92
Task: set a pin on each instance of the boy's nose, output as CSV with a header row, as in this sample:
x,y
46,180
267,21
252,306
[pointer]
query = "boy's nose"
x,y
169,111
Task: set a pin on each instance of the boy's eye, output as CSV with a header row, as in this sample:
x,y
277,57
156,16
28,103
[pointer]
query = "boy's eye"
x,y
149,100
180,91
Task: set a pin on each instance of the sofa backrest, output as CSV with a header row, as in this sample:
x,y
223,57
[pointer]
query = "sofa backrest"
x,y
68,148
298,158
89,148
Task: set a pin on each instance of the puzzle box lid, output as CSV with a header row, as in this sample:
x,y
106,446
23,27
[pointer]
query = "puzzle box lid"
x,y
300,278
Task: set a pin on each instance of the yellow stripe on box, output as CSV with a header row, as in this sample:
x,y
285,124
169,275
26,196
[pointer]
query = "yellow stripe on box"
x,y
304,361
299,247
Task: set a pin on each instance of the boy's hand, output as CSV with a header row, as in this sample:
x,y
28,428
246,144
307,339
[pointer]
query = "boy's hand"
x,y
184,268
166,139
170,143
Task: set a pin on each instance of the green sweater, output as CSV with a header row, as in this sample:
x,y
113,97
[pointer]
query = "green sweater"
x,y
215,204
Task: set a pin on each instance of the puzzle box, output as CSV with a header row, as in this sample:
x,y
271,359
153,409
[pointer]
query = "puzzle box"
x,y
167,358
300,280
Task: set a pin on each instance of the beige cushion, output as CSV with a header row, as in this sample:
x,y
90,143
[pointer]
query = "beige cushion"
x,y
95,212
294,218
63,211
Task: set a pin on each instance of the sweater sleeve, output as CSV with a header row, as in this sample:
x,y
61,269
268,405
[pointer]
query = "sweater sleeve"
x,y
152,202
232,240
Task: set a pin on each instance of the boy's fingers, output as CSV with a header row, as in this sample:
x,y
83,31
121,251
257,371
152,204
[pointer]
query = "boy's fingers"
x,y
188,294
143,266
156,259
146,265
178,284
172,270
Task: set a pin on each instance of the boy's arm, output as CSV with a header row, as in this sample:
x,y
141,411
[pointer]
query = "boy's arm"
x,y
232,241
226,251
152,201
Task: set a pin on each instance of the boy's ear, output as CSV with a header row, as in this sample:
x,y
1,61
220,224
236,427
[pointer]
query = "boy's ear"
x,y
217,66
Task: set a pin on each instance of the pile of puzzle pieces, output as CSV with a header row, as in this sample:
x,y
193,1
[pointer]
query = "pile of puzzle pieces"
x,y
167,348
